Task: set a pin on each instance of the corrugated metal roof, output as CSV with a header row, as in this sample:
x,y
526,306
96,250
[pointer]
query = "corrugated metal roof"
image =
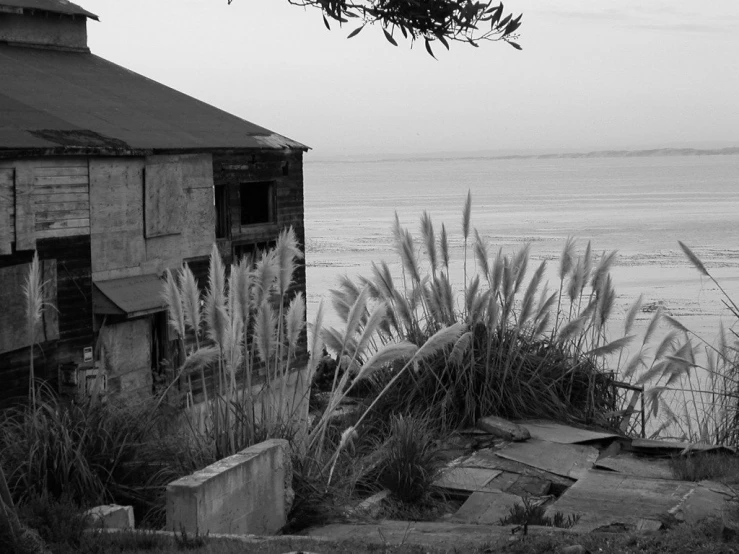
x,y
51,99
132,296
55,6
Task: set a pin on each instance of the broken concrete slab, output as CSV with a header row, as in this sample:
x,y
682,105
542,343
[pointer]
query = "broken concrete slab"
x,y
111,516
653,446
520,485
568,460
489,459
564,434
486,508
503,428
651,468
707,500
604,499
465,479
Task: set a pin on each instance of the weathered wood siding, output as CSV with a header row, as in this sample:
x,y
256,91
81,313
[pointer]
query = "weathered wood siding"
x,y
71,256
149,214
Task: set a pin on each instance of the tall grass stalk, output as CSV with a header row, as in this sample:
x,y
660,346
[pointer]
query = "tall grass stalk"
x,y
33,291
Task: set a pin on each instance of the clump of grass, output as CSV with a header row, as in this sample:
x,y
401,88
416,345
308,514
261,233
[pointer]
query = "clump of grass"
x,y
529,513
410,462
59,522
706,466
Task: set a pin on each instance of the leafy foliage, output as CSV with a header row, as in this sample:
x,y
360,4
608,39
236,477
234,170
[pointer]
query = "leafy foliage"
x,y
467,21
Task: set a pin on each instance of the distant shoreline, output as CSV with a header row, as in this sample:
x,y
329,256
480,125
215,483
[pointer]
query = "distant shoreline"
x,y
650,153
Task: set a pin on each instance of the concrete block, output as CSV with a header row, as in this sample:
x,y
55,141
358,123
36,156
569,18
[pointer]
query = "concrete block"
x,y
503,428
111,516
247,493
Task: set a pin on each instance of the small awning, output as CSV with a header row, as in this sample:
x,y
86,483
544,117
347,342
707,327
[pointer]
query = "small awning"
x,y
130,296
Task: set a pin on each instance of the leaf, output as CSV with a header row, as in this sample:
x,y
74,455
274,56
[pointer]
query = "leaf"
x,y
515,45
325,22
355,32
693,259
428,48
611,347
443,41
389,38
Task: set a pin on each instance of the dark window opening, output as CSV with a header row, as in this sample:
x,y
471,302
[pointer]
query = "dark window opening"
x,y
221,202
257,203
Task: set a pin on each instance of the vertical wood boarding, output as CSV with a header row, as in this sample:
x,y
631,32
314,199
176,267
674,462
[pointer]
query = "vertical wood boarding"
x,y
61,197
7,210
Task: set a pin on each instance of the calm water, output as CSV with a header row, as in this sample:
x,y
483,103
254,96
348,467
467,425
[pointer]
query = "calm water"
x,y
638,206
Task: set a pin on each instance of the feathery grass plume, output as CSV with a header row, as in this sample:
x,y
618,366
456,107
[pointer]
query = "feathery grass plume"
x,y
675,323
316,348
434,303
520,265
373,323
541,324
264,332
602,269
233,346
577,280
631,314
408,257
295,319
173,300
494,314
333,339
656,370
572,328
265,273
481,253
667,344
190,294
587,260
447,295
545,303
527,303
652,327
440,340
217,277
460,348
341,303
286,252
200,359
566,260
374,292
444,247
695,260
466,215
356,314
498,269
429,239
471,293
383,279
479,303
397,234
384,355
611,347
404,309
34,293
633,364
607,299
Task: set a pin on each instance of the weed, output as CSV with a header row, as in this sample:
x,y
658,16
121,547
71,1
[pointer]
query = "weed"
x,y
708,466
531,513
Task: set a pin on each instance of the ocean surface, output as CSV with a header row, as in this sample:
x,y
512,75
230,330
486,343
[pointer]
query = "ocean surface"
x,y
639,206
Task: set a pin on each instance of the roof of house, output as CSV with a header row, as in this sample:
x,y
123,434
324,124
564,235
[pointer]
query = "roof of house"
x,y
55,6
52,99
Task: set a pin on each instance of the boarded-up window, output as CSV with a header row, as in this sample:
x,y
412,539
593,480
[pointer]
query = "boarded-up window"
x,y
162,197
13,326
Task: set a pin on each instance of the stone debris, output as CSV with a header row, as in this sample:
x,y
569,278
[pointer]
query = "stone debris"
x,y
504,429
111,516
568,460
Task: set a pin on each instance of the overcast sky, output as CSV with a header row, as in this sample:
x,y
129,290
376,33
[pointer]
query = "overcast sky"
x,y
591,76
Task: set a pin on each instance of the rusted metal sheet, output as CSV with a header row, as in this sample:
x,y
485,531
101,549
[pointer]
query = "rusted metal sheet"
x,y
564,434
100,106
467,479
133,296
603,498
487,458
569,460
652,468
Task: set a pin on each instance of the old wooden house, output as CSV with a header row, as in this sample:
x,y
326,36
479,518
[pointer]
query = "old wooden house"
x,y
113,178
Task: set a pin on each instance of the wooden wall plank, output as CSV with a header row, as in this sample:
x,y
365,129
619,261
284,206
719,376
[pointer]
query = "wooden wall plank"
x,y
50,233
54,215
58,162
62,171
61,188
7,210
57,180
25,238
162,196
63,224
116,214
61,206
53,198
